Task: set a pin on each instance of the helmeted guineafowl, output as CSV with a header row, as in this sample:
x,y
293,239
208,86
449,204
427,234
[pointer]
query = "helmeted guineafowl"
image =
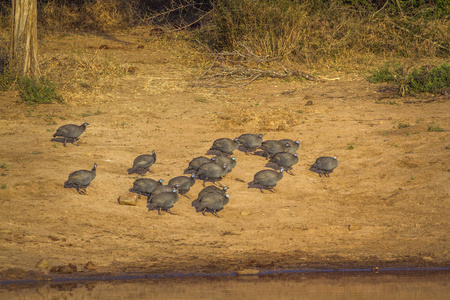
x,y
162,189
267,179
71,131
183,183
250,142
196,163
211,171
142,163
145,186
81,179
210,202
285,160
271,147
324,165
212,189
163,201
293,145
223,159
225,145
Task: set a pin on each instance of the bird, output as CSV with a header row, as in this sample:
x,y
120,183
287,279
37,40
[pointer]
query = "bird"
x,y
285,160
250,142
324,165
212,171
211,202
223,159
183,183
163,201
142,163
293,145
145,186
225,145
196,163
81,179
162,189
267,179
271,147
71,131
212,189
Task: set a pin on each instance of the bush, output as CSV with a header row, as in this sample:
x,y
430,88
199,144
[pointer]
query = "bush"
x,y
425,79
34,92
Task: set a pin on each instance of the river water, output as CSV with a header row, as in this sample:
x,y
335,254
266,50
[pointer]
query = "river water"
x,y
293,285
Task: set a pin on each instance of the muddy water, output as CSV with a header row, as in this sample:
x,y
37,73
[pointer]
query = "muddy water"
x,y
335,285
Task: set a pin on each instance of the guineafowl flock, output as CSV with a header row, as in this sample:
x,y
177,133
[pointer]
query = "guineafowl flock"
x,y
281,153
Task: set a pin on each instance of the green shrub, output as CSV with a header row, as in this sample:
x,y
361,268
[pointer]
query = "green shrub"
x,y
34,92
425,79
431,80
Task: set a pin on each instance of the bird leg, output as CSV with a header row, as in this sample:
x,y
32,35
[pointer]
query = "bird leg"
x,y
168,210
203,211
65,142
215,213
75,141
159,210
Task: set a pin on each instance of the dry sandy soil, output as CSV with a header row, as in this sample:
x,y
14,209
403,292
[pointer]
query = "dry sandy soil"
x,y
387,203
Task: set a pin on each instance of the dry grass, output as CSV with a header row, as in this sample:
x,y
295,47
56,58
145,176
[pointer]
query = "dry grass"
x,y
81,69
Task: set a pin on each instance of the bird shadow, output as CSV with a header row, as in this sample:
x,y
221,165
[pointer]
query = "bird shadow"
x,y
61,140
259,187
139,172
260,153
320,172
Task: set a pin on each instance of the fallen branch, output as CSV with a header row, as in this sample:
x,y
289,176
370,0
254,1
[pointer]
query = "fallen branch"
x,y
240,67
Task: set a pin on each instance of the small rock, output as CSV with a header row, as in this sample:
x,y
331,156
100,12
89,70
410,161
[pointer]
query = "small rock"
x,y
248,272
309,102
245,213
73,267
43,264
128,199
89,266
61,270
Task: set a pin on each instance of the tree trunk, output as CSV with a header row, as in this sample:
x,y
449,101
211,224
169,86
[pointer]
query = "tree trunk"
x,y
23,53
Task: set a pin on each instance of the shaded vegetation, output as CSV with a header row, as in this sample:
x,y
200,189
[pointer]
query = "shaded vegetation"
x,y
309,34
424,79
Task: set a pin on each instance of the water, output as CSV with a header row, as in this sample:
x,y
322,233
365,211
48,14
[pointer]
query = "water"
x,y
304,285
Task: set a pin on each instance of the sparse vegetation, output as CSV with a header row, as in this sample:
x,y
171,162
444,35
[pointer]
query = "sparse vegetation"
x,y
7,81
424,79
4,169
34,92
403,125
350,147
434,128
